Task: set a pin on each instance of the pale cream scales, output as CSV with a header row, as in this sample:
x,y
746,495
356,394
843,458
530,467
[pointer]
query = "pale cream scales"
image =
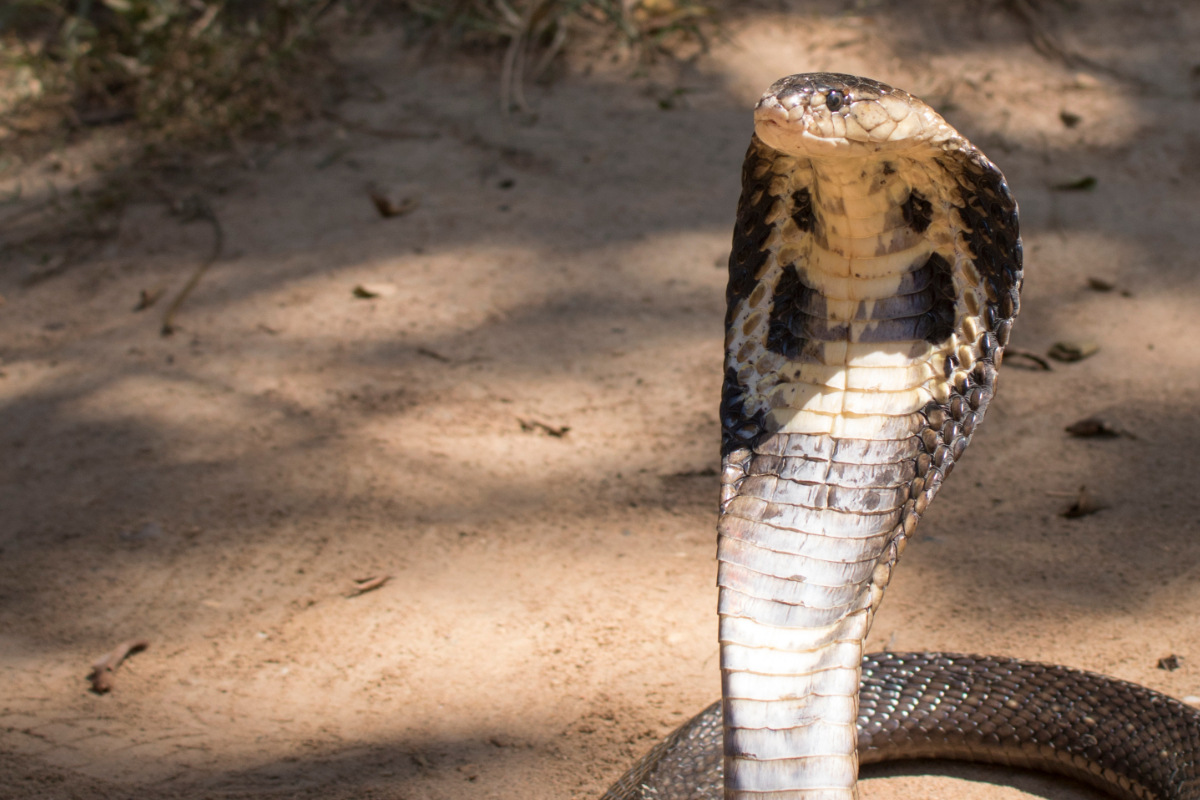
x,y
851,325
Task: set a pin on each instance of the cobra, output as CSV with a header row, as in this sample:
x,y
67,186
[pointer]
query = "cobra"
x,y
873,282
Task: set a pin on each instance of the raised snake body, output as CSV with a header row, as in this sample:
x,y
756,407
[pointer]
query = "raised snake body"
x,y
873,281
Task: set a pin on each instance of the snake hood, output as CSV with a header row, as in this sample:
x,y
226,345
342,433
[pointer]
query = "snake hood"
x,y
873,279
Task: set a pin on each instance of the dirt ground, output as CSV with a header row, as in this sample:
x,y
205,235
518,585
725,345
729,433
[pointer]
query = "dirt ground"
x,y
520,427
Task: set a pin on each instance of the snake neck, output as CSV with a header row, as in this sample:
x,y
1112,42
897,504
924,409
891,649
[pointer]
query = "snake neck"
x,y
857,368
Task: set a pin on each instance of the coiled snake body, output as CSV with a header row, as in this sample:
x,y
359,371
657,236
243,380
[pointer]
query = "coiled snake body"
x,y
873,282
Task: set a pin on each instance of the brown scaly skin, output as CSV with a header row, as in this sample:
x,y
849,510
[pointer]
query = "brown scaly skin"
x,y
1124,739
874,277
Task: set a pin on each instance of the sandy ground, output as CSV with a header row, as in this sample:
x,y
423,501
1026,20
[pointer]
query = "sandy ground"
x,y
550,612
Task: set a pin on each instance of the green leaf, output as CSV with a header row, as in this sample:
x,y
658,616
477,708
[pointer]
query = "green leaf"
x,y
1084,184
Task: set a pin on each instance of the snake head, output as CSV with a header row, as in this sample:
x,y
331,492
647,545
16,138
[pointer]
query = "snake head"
x,y
827,114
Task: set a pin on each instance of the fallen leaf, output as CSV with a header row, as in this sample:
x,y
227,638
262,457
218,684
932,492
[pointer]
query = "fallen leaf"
x,y
1085,503
365,585
1170,663
550,430
1084,184
1073,350
369,291
704,472
388,207
1093,428
435,355
103,669
1039,362
148,297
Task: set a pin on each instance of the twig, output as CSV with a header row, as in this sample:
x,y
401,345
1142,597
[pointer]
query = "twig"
x,y
434,354
510,76
512,70
1013,352
368,584
1043,42
195,208
382,133
557,431
1085,503
103,669
1046,44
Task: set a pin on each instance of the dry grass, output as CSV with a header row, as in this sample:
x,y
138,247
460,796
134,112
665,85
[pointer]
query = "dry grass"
x,y
211,69
535,32
185,68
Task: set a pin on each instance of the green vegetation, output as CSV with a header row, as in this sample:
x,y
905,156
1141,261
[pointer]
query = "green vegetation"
x,y
542,28
179,66
209,68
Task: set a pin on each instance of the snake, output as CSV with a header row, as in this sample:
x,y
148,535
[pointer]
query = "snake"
x,y
874,278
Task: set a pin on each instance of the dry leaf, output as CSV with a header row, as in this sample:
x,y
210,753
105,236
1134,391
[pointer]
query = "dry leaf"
x,y
1084,184
1093,428
1073,350
368,291
148,297
1170,663
1039,362
435,355
550,430
365,585
1085,503
103,669
388,207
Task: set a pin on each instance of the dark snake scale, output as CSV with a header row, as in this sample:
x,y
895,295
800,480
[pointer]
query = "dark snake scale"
x,y
1120,737
874,279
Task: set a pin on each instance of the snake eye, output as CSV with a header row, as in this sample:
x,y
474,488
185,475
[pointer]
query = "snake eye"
x,y
834,100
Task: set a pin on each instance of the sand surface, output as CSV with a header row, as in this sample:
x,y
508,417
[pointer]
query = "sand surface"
x,y
520,428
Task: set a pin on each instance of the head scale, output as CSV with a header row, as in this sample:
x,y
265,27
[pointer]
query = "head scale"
x,y
827,114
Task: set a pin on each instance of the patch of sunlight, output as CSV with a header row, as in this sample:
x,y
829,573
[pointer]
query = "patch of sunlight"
x,y
976,87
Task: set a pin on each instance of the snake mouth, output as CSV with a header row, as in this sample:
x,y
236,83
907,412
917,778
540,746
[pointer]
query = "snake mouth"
x,y
799,130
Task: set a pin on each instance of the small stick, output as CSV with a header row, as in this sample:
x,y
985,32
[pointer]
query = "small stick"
x,y
196,208
367,585
550,430
103,669
435,355
382,133
1042,363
